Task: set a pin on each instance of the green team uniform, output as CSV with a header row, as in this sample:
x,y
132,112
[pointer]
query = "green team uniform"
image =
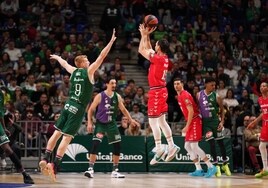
x,y
74,108
3,137
106,118
209,109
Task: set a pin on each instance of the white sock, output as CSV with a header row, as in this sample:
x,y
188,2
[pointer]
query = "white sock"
x,y
156,132
198,166
208,163
166,130
263,152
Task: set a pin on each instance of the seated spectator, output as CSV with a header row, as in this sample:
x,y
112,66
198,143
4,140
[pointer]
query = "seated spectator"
x,y
5,64
252,138
137,115
40,89
123,125
139,97
237,148
30,85
117,70
99,83
58,77
64,88
31,131
43,75
245,98
13,52
57,22
229,100
221,90
46,114
128,103
38,107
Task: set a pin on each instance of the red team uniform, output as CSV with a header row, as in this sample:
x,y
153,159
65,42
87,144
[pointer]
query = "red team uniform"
x,y
194,132
263,102
157,82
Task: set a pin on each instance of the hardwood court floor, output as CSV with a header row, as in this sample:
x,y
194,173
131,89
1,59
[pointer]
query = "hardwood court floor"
x,y
134,180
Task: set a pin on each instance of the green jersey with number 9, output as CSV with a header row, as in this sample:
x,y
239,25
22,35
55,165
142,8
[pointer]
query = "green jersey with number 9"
x,y
81,88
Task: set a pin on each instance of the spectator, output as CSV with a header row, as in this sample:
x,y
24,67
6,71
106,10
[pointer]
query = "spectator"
x,y
43,75
137,115
123,126
231,72
13,52
117,70
128,103
30,131
57,22
222,90
64,88
245,98
252,137
110,19
38,107
46,114
229,99
139,96
30,85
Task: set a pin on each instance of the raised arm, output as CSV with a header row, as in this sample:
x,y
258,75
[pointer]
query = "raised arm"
x,y
94,66
145,47
91,111
70,69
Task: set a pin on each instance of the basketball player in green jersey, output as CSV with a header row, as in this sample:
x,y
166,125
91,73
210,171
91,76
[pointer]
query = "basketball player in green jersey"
x,y
4,144
106,105
212,111
82,80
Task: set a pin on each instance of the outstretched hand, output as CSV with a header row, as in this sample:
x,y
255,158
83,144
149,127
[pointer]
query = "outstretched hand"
x,y
146,30
55,57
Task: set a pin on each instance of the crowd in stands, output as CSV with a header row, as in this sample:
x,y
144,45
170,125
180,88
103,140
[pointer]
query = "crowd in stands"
x,y
225,39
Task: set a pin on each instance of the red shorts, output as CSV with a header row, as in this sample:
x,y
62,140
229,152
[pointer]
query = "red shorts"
x,y
194,132
264,131
157,102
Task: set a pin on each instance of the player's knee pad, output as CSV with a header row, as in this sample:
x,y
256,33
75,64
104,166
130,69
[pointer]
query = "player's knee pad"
x,y
95,146
117,148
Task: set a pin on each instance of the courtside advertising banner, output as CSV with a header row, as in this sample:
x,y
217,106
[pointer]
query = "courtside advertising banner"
x,y
132,157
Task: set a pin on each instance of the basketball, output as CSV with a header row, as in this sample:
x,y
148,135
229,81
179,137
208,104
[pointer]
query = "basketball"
x,y
150,21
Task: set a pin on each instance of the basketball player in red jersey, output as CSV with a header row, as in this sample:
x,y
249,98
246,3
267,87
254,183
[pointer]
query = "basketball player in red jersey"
x,y
157,106
192,130
263,102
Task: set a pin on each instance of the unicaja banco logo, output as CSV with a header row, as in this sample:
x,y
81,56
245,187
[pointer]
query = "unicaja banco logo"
x,y
75,149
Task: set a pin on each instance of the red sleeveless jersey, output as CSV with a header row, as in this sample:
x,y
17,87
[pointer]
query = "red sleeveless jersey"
x,y
158,70
263,102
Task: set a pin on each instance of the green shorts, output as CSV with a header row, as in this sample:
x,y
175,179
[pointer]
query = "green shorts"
x,y
210,131
3,137
108,129
71,118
